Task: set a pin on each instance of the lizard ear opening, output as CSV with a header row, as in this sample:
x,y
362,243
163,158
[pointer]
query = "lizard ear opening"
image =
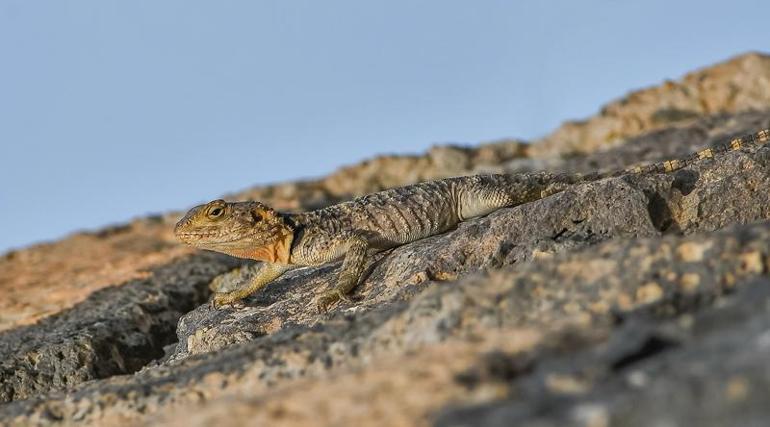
x,y
260,213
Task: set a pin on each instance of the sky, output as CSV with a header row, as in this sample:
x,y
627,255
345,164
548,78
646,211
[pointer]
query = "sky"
x,y
111,110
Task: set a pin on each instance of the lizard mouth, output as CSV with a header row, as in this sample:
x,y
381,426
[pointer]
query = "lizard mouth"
x,y
208,237
196,235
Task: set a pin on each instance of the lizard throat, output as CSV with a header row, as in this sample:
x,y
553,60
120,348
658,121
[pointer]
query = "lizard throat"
x,y
278,251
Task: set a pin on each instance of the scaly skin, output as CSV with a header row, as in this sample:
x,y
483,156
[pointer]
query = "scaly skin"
x,y
377,221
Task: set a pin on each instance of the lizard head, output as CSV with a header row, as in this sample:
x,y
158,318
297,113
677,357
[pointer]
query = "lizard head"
x,y
243,229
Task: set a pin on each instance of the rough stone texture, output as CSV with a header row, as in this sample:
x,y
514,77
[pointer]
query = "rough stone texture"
x,y
640,300
47,278
114,331
706,369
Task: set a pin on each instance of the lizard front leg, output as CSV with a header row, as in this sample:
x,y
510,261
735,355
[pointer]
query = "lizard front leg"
x,y
234,279
265,273
354,246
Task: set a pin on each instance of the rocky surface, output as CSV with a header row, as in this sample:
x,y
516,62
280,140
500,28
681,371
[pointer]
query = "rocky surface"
x,y
640,300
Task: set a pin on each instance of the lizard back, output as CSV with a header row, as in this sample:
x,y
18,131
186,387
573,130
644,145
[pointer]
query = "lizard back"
x,y
392,217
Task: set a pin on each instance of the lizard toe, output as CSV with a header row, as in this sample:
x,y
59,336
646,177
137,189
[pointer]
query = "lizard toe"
x,y
328,298
344,297
222,299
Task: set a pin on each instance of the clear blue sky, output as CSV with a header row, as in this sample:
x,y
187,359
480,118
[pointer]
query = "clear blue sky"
x,y
114,109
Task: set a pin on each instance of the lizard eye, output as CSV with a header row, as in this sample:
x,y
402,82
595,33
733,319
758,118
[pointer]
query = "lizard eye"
x,y
257,217
215,212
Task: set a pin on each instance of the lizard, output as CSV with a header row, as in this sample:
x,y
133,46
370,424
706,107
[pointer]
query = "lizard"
x,y
379,221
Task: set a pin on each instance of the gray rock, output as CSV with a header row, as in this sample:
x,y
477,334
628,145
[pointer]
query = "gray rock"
x,y
115,331
705,369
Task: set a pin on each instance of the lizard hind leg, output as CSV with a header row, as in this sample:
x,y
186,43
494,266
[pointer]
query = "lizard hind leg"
x,y
350,273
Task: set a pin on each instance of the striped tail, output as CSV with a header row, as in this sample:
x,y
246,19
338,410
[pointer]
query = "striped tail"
x,y
755,139
481,194
559,182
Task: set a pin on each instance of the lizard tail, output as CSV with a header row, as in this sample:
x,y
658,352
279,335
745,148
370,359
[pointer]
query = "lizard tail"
x,y
560,182
754,139
481,194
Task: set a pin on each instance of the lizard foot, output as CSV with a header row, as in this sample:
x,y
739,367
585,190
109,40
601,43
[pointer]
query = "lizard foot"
x,y
330,297
226,298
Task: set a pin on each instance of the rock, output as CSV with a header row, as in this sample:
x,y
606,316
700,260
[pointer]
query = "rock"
x,y
48,278
679,372
114,331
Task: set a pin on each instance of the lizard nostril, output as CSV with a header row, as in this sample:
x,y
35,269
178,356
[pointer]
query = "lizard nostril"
x,y
179,226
